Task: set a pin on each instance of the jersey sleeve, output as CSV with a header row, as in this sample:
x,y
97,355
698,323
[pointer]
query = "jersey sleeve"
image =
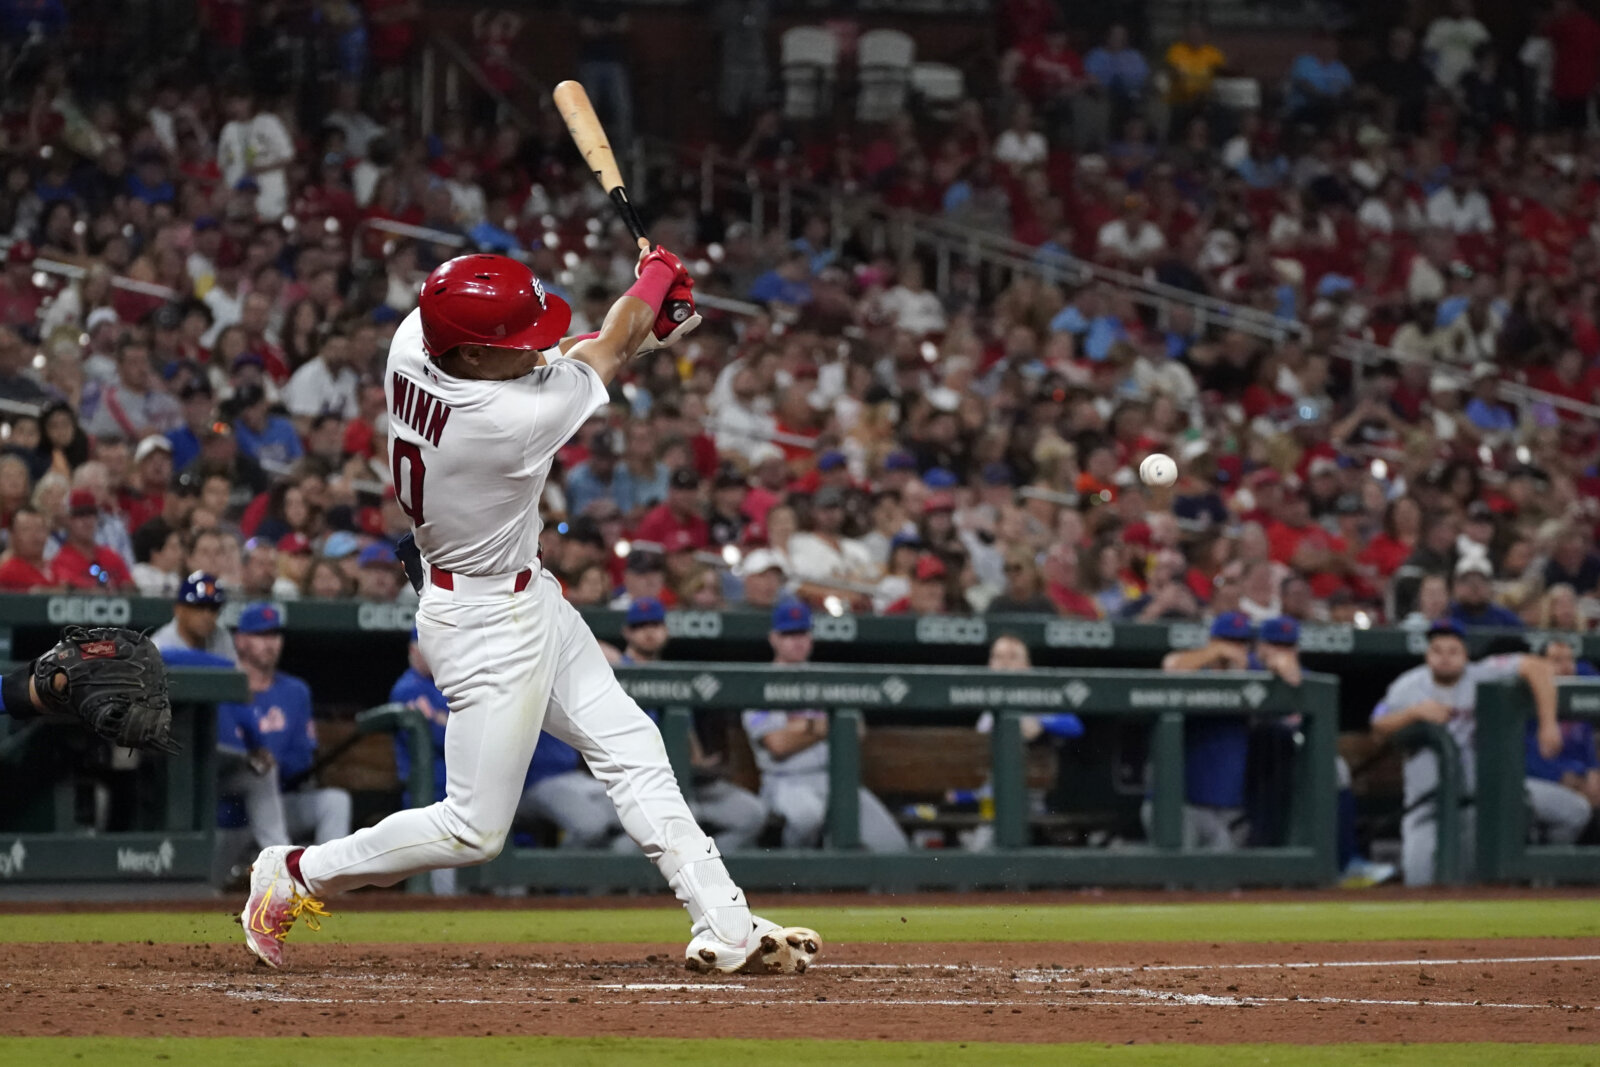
x,y
567,392
758,724
1495,668
1404,691
235,728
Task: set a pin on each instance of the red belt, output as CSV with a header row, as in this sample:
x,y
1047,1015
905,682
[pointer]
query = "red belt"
x,y
445,580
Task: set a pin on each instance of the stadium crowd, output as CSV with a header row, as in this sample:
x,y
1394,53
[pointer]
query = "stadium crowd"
x,y
859,440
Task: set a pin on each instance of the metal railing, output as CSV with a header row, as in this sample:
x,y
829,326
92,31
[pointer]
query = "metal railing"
x,y
881,228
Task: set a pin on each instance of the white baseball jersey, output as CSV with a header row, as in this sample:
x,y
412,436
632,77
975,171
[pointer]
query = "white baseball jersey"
x,y
470,458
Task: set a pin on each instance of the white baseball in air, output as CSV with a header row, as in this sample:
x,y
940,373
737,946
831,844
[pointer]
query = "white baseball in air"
x,y
1158,468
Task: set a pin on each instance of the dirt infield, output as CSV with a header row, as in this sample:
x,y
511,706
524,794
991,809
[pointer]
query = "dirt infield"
x,y
1492,990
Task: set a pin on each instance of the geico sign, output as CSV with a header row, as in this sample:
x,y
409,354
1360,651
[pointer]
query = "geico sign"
x,y
98,610
703,624
385,617
1079,634
1327,639
942,630
832,628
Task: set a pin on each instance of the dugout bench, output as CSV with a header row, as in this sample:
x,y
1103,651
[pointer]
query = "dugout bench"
x,y
854,697
174,825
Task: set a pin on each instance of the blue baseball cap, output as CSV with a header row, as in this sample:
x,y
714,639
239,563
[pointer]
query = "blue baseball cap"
x,y
646,611
940,478
905,540
900,461
1233,626
201,590
996,473
341,543
376,555
830,460
260,618
1281,631
1446,628
791,616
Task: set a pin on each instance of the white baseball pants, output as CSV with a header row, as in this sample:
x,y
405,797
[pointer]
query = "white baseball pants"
x,y
511,664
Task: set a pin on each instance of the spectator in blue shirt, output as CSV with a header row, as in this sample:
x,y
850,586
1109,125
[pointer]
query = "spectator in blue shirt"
x,y
1116,68
1471,606
1088,320
598,477
787,283
268,439
813,241
1318,83
1122,75
198,403
1484,410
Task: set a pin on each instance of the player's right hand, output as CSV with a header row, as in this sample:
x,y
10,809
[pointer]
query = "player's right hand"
x,y
677,319
1435,711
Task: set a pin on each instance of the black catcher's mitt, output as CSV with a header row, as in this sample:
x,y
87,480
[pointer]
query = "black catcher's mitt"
x,y
115,682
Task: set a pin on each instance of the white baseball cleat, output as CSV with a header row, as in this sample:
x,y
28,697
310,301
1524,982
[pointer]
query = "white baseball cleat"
x,y
769,949
275,902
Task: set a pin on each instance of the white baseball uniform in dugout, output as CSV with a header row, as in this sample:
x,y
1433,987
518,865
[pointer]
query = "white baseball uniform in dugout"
x,y
510,654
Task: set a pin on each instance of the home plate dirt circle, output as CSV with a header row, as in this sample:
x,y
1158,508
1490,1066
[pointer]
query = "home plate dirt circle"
x,y
1499,990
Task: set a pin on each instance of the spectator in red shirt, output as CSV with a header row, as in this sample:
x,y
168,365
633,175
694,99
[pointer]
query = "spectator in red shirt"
x,y
1575,40
152,465
680,512
1046,70
24,569
1061,571
392,33
1402,524
930,589
82,564
19,297
1297,541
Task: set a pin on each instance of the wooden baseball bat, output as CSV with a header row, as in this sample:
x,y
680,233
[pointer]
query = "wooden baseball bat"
x,y
590,137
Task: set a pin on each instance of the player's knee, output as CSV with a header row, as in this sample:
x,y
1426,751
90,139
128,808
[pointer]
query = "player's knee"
x,y
472,841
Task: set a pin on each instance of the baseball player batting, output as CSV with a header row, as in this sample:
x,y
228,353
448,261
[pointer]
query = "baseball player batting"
x,y
482,391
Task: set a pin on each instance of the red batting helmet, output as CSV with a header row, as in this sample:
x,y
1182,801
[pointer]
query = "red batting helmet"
x,y
489,300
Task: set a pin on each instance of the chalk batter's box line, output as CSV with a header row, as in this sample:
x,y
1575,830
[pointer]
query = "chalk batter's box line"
x,y
1135,998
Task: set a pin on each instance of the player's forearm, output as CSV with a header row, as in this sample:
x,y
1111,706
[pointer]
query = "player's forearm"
x,y
18,695
1396,721
1542,683
1194,659
628,324
793,738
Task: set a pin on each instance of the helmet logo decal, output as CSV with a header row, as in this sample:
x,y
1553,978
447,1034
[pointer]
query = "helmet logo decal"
x,y
538,291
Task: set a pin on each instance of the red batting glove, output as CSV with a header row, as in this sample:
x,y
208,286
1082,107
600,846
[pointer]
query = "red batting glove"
x,y
658,254
678,316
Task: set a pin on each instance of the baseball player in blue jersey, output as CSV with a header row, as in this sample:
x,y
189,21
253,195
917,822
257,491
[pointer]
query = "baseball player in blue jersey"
x,y
1215,747
275,742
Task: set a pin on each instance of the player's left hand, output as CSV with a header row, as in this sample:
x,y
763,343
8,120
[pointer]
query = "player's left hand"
x,y
678,317
666,258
